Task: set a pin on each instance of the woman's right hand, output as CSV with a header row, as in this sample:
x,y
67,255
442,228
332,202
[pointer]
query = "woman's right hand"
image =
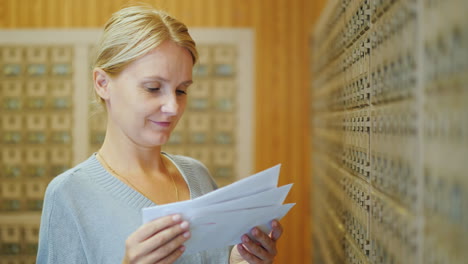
x,y
158,241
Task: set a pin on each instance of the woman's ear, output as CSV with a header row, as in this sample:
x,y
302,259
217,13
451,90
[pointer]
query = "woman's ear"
x,y
101,82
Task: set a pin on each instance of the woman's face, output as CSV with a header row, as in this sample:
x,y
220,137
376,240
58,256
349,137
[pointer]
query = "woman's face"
x,y
146,100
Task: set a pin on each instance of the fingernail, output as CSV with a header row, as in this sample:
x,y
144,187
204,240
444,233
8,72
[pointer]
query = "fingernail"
x,y
186,234
176,217
184,225
245,239
274,224
182,248
255,232
240,247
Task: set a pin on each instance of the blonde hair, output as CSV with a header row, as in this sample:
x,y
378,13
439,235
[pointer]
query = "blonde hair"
x,y
134,31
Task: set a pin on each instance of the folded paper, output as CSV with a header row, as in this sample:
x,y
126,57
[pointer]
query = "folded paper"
x,y
219,218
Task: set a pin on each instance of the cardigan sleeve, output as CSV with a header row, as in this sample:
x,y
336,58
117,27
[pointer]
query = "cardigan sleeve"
x,y
59,239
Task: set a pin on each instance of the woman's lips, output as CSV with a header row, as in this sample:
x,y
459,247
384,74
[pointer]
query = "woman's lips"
x,y
162,124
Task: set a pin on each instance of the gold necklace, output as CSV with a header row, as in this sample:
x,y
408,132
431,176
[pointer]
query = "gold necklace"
x,y
98,154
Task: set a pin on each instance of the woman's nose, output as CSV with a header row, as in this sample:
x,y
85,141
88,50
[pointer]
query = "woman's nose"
x,y
170,105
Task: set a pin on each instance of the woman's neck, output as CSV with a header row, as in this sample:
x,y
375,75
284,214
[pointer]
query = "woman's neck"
x,y
127,157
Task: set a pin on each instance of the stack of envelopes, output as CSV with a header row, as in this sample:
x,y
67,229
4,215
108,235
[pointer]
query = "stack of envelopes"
x,y
219,218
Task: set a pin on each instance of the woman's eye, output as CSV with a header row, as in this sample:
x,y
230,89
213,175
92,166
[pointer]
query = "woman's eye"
x,y
151,89
180,92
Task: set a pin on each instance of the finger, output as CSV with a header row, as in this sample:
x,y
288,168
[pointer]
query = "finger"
x,y
265,241
173,256
134,250
169,251
246,255
165,237
257,249
277,230
147,230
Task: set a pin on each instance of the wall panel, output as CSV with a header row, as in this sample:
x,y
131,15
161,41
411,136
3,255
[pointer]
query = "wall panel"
x,y
390,133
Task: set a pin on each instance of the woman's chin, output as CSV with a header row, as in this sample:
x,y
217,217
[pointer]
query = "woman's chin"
x,y
158,141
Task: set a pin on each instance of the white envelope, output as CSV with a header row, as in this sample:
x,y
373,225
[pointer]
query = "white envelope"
x,y
219,218
262,181
226,229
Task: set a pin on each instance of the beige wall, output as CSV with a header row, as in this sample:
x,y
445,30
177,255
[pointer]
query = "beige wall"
x,y
282,79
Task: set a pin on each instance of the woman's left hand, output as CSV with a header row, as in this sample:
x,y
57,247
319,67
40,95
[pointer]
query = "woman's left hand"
x,y
260,250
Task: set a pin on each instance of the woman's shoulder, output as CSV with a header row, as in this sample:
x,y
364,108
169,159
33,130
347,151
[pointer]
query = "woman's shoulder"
x,y
186,162
194,171
70,179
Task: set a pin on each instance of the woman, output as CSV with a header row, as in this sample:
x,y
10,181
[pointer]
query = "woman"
x,y
92,212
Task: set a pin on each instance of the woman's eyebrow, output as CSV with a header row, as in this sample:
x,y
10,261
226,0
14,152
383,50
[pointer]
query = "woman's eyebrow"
x,y
162,79
155,78
187,83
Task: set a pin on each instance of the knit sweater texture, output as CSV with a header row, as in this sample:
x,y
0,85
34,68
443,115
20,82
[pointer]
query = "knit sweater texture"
x,y
88,214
